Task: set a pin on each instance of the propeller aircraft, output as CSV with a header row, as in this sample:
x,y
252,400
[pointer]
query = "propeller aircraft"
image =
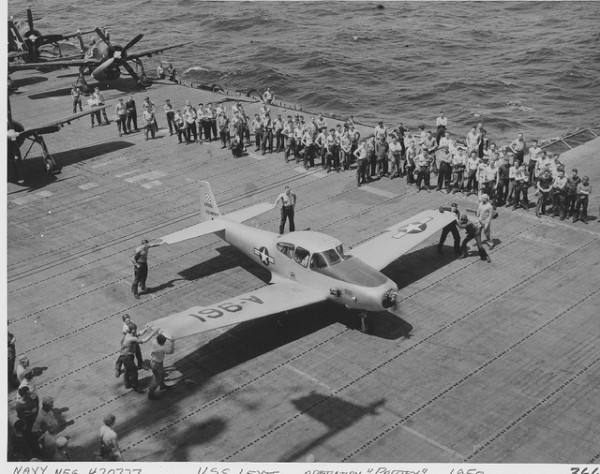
x,y
17,135
25,41
104,59
306,268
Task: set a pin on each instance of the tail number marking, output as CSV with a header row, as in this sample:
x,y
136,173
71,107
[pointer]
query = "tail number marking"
x,y
220,310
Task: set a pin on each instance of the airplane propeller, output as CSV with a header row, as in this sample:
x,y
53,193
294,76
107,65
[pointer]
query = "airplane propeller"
x,y
118,56
34,39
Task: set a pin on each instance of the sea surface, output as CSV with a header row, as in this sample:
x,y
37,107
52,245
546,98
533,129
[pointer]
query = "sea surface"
x,y
514,66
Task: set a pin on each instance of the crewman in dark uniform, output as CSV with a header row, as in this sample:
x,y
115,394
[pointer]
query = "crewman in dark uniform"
x,y
450,228
473,230
140,270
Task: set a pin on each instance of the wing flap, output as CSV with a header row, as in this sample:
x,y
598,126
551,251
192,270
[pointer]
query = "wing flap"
x,y
256,304
400,238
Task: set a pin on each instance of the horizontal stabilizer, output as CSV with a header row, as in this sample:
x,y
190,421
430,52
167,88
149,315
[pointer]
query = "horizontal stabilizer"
x,y
197,230
249,212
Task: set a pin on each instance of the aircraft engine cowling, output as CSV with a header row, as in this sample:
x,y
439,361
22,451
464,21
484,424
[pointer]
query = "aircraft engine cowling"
x,y
389,299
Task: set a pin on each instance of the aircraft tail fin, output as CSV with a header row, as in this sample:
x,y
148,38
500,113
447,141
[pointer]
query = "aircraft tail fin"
x,y
209,209
15,42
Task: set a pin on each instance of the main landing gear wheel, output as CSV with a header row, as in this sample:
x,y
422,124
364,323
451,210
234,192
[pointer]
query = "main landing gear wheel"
x,y
364,324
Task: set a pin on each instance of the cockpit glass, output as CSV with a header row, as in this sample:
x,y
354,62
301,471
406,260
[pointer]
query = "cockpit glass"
x,y
318,261
331,256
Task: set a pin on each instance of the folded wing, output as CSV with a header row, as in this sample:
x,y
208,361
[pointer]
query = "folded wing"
x,y
400,238
256,304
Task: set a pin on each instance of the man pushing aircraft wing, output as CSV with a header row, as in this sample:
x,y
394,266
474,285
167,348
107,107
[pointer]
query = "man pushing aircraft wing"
x,y
306,267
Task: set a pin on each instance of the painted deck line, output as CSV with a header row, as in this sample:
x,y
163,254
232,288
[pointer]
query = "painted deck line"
x,y
379,192
257,157
32,197
146,176
316,174
311,378
458,456
152,184
87,186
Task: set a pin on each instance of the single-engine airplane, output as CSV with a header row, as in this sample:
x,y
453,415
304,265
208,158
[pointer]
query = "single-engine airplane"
x,y
103,59
17,134
24,41
306,267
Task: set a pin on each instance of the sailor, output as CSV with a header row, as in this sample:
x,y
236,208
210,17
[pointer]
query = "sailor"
x,y
361,162
131,114
441,123
288,203
121,117
170,113
473,230
140,262
171,73
160,72
98,99
161,345
450,228
109,444
76,96
268,96
127,354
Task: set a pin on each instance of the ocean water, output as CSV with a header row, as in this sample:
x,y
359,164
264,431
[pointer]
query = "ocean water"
x,y
514,66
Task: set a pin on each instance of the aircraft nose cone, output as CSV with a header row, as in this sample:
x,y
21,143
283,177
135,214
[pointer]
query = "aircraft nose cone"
x,y
389,299
117,55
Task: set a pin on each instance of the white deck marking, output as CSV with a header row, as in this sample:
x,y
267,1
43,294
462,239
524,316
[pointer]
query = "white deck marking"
x,y
311,378
257,157
377,191
433,442
152,184
146,176
32,197
316,174
87,186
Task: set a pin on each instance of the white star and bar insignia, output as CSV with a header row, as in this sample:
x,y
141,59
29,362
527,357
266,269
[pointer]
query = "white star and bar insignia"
x,y
264,256
412,228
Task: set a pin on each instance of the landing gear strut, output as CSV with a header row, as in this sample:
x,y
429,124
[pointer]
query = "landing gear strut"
x,y
364,324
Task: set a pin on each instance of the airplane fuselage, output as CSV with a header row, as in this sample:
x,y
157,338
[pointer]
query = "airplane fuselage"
x,y
297,256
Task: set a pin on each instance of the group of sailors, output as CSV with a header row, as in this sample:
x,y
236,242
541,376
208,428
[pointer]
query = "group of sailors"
x,y
469,164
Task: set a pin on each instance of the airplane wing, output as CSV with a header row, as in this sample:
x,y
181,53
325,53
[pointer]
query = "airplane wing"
x,y
150,52
256,304
54,126
53,63
400,238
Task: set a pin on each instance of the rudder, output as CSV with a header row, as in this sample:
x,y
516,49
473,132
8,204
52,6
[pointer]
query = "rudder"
x,y
209,209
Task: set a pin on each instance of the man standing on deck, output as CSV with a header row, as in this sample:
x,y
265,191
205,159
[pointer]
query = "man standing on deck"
x,y
140,269
161,346
288,203
441,123
109,445
121,117
268,96
518,147
170,113
131,114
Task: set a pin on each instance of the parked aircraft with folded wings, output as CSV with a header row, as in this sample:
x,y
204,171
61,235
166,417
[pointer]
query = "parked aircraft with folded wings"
x,y
306,267
104,60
